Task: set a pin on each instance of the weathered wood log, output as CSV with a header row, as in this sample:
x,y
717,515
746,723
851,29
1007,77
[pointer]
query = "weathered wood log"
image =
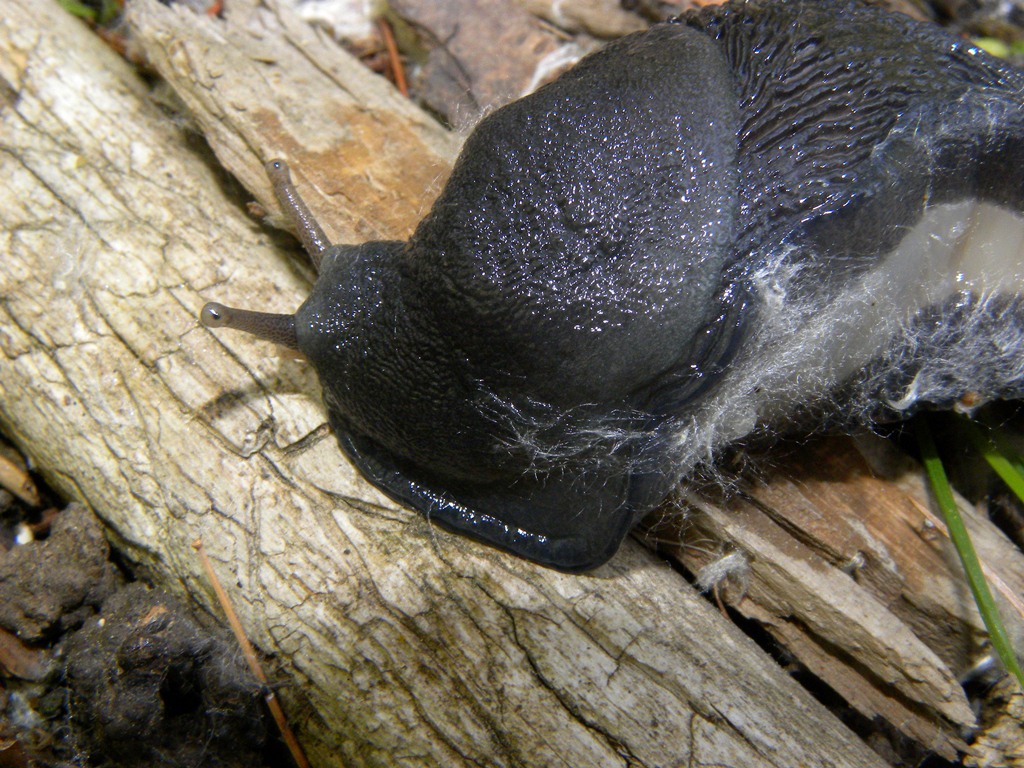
x,y
841,561
409,644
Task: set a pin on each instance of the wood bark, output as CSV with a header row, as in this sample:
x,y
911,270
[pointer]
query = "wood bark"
x,y
400,643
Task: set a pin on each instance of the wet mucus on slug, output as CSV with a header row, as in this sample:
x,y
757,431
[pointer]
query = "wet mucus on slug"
x,y
754,211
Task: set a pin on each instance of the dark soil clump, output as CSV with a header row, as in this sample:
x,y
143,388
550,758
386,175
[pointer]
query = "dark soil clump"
x,y
95,671
148,685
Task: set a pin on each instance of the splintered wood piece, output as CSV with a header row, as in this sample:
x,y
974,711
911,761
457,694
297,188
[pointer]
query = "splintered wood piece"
x,y
16,479
845,569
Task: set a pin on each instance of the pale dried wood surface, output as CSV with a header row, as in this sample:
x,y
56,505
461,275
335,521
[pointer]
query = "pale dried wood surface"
x,y
402,643
845,569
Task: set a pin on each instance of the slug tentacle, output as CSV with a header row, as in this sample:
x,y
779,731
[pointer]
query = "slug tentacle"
x,y
279,329
311,235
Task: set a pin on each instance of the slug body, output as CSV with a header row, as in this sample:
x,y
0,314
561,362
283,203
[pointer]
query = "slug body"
x,y
753,212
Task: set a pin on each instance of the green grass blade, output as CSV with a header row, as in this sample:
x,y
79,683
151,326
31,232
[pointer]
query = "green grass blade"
x,y
1003,461
965,549
81,10
103,16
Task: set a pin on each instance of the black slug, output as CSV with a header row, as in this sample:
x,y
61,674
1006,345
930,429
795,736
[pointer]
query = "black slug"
x,y
751,213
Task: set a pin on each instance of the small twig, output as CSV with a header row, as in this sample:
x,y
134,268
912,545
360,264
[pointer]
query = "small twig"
x,y
42,526
396,61
250,656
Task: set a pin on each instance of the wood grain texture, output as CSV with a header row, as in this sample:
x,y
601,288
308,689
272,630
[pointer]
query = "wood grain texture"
x,y
838,558
400,643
